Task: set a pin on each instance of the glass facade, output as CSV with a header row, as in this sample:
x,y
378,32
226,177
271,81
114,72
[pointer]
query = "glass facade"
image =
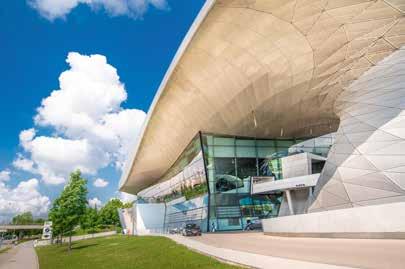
x,y
209,184
230,163
186,178
183,189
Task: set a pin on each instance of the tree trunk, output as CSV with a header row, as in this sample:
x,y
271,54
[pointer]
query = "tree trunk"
x,y
61,238
70,241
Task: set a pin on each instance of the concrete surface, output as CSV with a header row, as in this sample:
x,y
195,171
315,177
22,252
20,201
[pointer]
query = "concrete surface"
x,y
358,253
22,256
377,220
248,259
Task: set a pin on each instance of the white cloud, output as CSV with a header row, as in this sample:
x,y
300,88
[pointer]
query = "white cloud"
x,y
95,202
53,9
100,183
122,125
24,164
88,90
5,175
92,129
25,197
56,157
26,136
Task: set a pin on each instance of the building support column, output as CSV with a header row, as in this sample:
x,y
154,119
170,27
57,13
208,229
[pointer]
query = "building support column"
x,y
289,201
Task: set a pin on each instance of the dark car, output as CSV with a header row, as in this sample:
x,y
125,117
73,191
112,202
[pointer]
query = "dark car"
x,y
227,182
191,230
255,224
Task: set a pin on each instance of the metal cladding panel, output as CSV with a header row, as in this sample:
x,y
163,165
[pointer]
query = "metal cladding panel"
x,y
262,68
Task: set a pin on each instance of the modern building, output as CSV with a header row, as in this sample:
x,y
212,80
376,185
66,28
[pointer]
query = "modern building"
x,y
287,111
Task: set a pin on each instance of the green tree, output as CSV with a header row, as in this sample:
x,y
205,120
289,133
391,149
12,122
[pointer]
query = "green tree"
x,y
109,212
90,220
23,219
39,221
70,206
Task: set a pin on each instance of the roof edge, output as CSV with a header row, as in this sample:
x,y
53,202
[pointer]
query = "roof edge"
x,y
179,53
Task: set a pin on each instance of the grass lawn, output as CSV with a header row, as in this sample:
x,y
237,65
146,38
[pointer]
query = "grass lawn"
x,y
4,249
119,252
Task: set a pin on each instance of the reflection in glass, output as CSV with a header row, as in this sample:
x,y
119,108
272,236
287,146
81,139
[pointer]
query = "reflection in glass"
x,y
231,162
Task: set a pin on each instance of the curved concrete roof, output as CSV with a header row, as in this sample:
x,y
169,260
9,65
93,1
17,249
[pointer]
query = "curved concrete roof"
x,y
279,63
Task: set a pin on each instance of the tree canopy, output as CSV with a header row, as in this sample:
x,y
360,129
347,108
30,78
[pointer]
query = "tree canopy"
x,y
23,219
109,212
90,220
26,218
71,209
68,209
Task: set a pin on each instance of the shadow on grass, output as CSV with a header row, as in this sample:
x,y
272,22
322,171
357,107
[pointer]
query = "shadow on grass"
x,y
64,247
84,246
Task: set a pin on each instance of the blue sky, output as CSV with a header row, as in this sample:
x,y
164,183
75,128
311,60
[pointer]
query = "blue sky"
x,y
138,41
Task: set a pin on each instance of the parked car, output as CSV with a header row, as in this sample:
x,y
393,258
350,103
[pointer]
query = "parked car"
x,y
255,224
191,230
175,230
9,239
226,183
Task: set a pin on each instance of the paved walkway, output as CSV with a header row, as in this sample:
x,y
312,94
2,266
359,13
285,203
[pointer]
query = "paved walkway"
x,y
248,259
22,256
358,253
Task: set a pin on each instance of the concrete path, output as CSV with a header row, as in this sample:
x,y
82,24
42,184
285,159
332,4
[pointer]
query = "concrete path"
x,y
22,256
248,259
358,253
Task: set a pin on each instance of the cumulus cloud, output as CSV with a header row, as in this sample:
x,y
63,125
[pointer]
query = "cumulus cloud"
x,y
56,157
5,175
100,183
26,136
92,130
53,9
95,202
24,197
24,164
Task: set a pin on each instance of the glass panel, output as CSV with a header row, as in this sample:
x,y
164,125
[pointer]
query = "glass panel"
x,y
227,183
230,164
210,163
246,186
224,141
245,142
209,151
265,143
224,151
317,166
264,152
247,210
266,168
208,139
284,143
224,166
229,224
225,175
186,178
246,167
211,179
249,152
